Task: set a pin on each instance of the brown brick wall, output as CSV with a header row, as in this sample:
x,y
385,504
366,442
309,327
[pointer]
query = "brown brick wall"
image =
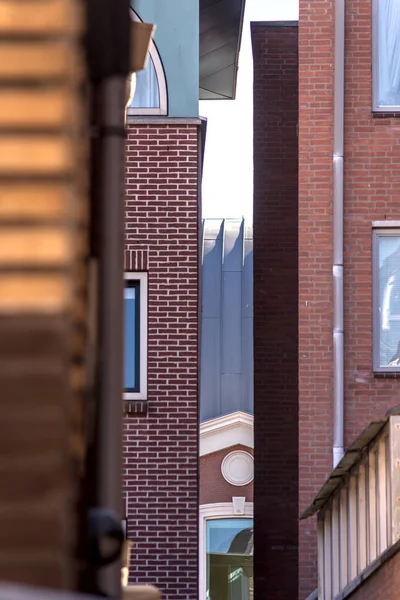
x,y
161,449
213,486
275,310
384,584
372,154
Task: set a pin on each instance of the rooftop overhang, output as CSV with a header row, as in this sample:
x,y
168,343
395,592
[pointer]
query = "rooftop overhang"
x,y
350,458
221,23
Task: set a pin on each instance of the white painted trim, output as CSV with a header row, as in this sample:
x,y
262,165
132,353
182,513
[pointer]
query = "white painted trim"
x,y
142,278
222,510
161,79
223,432
382,224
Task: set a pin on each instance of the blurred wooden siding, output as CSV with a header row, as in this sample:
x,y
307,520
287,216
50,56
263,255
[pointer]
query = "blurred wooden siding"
x,y
43,248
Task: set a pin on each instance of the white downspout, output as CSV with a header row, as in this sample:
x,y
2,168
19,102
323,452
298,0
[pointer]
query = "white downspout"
x,y
338,294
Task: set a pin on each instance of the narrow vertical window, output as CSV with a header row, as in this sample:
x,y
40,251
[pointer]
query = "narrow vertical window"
x,y
132,336
386,55
135,349
386,284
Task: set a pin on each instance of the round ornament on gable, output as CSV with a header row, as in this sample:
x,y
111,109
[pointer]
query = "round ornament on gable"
x,y
238,468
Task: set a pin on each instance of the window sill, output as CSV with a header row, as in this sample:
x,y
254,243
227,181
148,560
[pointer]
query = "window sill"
x,y
387,374
383,114
161,120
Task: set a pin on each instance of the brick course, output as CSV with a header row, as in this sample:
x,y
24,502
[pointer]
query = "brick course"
x,y
275,310
372,154
161,449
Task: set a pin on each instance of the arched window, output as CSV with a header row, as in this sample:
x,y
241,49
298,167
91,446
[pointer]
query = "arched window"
x,y
150,97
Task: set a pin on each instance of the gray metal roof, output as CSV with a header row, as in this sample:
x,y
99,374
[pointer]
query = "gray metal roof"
x,y
227,318
221,23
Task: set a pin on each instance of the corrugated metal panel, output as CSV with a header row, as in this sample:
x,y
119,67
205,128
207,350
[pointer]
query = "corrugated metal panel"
x,y
227,318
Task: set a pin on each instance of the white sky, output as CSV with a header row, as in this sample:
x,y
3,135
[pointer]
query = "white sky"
x,y
228,165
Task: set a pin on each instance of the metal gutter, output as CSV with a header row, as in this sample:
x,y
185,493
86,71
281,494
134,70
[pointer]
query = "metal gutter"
x,y
111,307
108,56
337,267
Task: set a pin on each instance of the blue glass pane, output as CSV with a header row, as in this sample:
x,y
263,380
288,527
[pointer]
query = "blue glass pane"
x,y
130,337
222,532
147,94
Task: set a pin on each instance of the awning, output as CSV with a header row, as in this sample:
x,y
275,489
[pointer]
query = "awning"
x,y
350,458
221,23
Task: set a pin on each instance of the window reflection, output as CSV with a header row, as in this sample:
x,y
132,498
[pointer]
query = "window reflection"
x,y
389,52
389,300
147,93
229,547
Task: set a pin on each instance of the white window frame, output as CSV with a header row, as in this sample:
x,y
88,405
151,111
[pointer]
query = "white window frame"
x,y
375,64
161,79
379,228
222,510
143,283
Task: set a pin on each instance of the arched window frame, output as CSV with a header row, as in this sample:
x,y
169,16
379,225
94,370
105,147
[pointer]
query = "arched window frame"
x,y
221,510
161,80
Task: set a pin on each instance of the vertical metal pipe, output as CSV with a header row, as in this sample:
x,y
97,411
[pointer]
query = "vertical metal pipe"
x,y
111,309
338,215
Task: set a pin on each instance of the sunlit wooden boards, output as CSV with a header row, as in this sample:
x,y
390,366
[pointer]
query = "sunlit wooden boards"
x,y
49,17
43,248
42,122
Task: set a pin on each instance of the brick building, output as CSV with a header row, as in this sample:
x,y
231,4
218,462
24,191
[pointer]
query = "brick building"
x,y
275,309
226,411
165,145
346,369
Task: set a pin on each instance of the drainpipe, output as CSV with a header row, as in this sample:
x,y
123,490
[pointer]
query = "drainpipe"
x,y
108,59
338,294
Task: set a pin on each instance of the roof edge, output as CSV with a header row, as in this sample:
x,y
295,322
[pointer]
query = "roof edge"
x,y
349,459
224,432
255,24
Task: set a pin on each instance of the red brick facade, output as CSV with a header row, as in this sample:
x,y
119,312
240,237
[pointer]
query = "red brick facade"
x,y
275,310
213,487
315,269
383,584
371,167
161,448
